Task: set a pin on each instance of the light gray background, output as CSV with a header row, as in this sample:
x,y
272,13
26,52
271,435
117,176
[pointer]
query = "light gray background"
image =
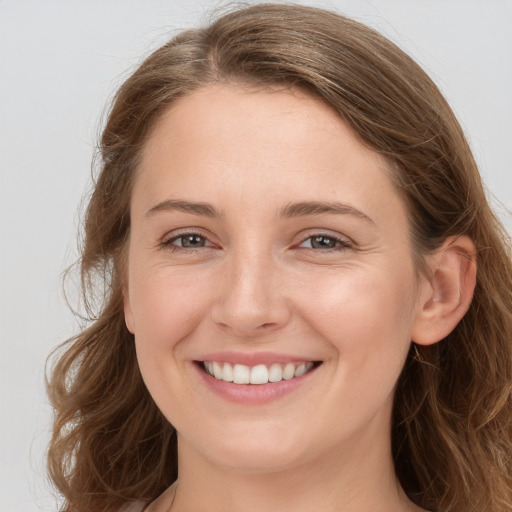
x,y
60,61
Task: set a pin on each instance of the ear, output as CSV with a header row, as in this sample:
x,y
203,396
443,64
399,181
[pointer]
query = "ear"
x,y
128,314
446,294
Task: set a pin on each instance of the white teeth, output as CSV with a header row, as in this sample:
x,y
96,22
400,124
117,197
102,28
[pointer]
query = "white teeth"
x,y
259,374
289,371
300,370
227,373
241,374
217,370
275,373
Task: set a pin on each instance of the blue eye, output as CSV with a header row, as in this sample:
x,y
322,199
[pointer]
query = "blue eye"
x,y
324,242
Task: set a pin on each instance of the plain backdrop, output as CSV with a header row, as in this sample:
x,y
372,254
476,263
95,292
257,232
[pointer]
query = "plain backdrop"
x,y
60,62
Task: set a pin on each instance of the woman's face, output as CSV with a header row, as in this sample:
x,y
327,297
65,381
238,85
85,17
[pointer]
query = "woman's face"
x,y
266,241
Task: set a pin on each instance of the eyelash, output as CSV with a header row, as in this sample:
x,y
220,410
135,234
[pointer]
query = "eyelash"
x,y
168,243
342,242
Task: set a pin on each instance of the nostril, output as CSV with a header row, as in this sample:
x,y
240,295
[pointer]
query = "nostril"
x,y
265,326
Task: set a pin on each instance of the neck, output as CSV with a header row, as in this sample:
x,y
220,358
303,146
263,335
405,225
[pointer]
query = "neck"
x,y
359,477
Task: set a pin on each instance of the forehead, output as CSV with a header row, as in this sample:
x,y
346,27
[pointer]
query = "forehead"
x,y
259,143
226,115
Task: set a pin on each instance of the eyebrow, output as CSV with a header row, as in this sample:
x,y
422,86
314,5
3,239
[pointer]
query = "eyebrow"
x,y
300,209
199,208
320,207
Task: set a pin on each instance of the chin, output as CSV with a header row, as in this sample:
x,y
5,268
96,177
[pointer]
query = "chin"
x,y
251,452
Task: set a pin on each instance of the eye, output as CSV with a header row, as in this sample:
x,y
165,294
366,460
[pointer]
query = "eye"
x,y
325,242
187,241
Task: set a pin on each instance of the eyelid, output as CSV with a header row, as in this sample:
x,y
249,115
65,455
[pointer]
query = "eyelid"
x,y
344,241
168,238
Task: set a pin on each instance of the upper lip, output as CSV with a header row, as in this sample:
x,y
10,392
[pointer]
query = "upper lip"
x,y
253,359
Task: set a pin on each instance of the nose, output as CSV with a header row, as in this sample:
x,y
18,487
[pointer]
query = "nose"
x,y
251,301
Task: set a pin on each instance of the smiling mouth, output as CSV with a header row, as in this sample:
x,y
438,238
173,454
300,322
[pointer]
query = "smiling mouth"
x,y
258,374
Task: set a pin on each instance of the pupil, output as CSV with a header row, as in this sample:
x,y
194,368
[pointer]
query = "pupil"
x,y
192,241
323,242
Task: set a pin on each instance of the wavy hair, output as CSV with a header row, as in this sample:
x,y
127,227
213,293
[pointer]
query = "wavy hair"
x,y
452,417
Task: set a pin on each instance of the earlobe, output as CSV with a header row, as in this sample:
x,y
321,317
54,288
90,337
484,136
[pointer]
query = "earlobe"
x,y
446,295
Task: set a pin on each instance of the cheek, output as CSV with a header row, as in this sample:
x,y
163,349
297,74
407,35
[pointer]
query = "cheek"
x,y
167,304
361,296
367,319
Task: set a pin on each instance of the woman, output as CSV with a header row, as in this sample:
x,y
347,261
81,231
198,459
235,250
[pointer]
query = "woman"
x,y
286,232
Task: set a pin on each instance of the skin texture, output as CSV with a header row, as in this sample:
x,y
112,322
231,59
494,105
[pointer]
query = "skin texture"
x,y
255,282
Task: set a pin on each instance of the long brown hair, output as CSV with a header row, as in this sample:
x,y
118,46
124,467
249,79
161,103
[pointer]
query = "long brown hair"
x,y
452,419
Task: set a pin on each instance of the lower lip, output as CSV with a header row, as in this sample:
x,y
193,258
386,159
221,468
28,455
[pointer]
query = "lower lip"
x,y
252,394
